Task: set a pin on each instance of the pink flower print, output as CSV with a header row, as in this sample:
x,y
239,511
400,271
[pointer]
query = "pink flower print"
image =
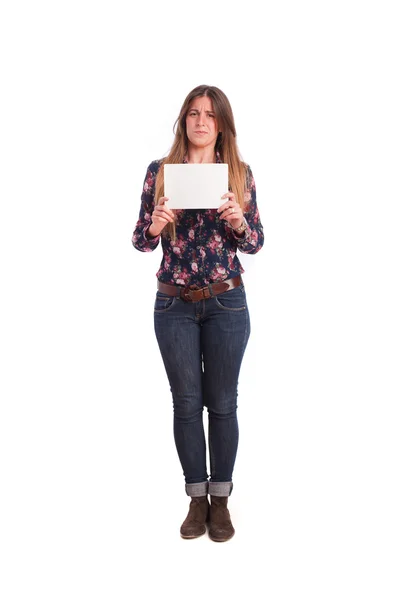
x,y
178,278
215,275
148,182
215,242
191,234
221,270
254,237
178,246
194,267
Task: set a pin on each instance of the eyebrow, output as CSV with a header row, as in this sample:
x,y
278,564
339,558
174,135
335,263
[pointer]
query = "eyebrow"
x,y
196,110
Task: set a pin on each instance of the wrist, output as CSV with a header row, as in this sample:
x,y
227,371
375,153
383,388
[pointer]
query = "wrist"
x,y
241,228
151,233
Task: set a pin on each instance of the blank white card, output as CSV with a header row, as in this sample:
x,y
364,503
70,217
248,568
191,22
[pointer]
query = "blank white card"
x,y
196,185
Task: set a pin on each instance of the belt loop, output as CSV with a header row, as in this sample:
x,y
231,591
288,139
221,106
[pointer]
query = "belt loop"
x,y
210,290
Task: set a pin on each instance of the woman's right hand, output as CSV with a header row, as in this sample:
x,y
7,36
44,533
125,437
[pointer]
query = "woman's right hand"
x,y
161,216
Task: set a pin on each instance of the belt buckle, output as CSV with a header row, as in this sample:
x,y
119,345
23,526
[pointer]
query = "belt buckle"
x,y
206,292
187,295
188,291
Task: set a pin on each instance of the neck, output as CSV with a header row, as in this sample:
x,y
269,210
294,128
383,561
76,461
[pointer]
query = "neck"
x,y
201,155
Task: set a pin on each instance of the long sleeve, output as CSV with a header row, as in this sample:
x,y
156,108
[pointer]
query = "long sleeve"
x,y
139,239
253,239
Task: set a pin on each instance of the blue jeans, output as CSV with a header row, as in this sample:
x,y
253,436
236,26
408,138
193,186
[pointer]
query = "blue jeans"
x,y
202,346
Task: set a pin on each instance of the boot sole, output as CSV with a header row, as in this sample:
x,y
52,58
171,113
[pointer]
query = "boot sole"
x,y
192,537
214,539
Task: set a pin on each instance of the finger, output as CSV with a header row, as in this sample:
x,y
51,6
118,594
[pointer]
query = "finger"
x,y
161,222
227,204
228,195
161,204
163,210
234,212
162,218
228,208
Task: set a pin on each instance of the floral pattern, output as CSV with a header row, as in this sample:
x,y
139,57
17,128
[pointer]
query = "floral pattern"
x,y
206,246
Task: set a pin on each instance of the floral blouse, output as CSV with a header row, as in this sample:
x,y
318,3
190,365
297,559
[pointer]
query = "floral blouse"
x,y
205,249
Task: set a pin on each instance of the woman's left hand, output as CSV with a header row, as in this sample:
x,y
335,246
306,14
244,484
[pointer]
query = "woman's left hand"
x,y
231,211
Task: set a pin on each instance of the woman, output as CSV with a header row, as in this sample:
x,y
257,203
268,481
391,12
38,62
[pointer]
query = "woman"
x,y
201,316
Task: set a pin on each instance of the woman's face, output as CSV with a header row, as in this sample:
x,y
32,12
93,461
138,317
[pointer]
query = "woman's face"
x,y
201,123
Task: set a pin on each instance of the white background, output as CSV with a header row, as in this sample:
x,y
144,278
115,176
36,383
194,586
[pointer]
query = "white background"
x,y
92,495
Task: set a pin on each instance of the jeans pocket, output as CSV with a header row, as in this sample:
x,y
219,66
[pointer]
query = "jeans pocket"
x,y
163,302
234,300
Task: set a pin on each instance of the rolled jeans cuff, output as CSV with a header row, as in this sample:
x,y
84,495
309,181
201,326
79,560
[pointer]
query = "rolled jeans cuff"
x,y
220,488
196,489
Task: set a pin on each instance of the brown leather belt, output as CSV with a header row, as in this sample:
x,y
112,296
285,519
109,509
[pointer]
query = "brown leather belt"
x,y
195,294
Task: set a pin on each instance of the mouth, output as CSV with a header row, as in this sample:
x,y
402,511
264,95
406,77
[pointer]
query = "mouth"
x,y
201,132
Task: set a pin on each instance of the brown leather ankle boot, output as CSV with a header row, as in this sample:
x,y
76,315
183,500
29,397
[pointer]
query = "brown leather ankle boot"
x,y
195,522
220,527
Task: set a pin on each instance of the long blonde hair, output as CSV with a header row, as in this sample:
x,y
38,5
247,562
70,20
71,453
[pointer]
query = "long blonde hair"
x,y
226,146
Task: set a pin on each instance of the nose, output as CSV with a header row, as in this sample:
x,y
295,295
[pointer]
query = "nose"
x,y
201,119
